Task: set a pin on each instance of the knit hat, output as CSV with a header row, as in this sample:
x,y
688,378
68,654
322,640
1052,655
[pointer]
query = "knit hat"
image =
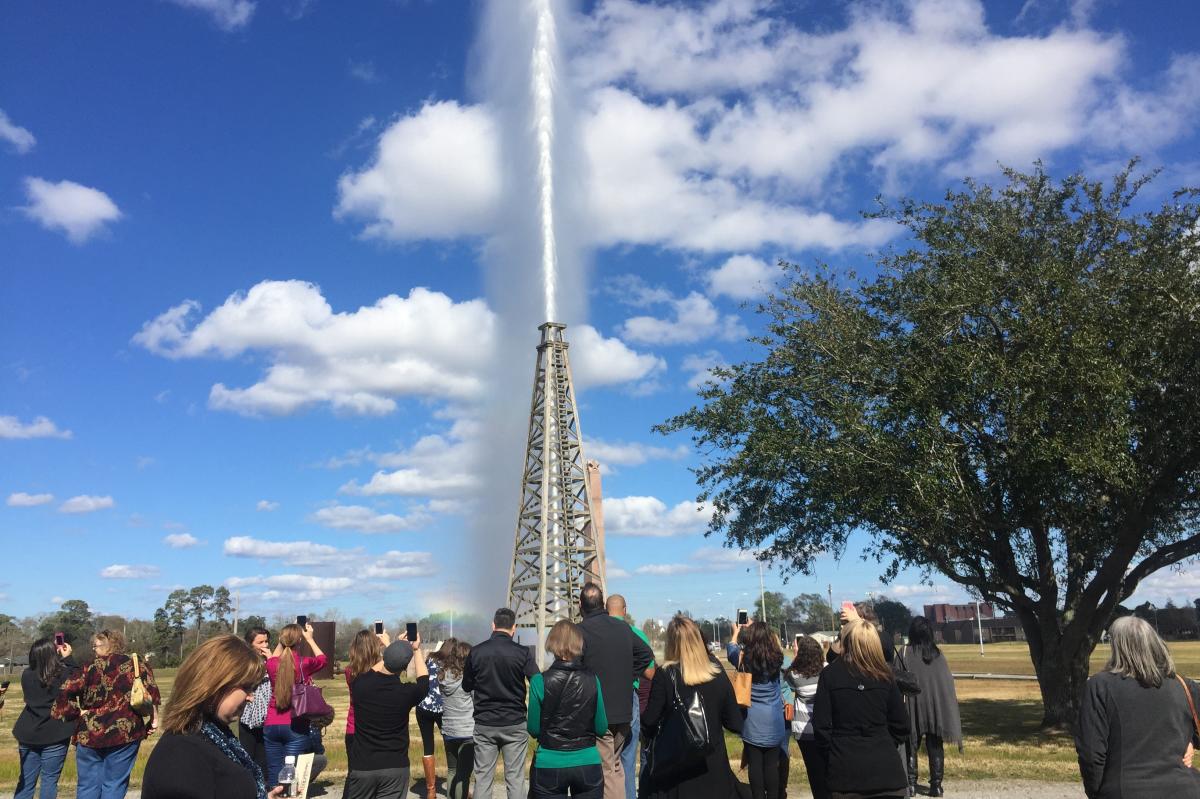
x,y
397,655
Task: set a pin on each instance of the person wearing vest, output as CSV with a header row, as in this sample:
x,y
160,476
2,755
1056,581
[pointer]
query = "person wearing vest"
x,y
566,715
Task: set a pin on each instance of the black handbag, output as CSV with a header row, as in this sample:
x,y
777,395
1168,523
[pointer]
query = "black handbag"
x,y
906,681
682,741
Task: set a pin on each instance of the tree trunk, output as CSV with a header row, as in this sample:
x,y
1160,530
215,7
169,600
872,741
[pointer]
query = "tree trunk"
x,y
1062,671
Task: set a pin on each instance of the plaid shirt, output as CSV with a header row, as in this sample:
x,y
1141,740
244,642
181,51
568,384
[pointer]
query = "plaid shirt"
x,y
101,692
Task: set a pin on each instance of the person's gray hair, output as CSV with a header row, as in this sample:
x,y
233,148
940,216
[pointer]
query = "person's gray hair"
x,y
1138,652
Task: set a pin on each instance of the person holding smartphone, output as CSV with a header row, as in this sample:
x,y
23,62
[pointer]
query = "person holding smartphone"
x,y
42,741
254,715
283,733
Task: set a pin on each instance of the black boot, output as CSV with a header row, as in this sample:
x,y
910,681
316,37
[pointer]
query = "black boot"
x,y
937,764
911,751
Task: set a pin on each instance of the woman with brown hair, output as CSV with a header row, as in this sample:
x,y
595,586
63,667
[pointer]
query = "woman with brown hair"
x,y
687,671
199,757
283,733
458,721
802,676
365,651
756,650
429,714
859,719
110,730
566,715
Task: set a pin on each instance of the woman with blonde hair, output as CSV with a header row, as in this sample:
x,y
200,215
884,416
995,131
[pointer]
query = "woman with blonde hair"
x,y
1137,720
688,671
566,715
859,719
283,733
199,757
110,729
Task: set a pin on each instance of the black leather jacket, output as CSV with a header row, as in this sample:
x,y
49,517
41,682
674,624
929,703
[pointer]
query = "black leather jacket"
x,y
569,708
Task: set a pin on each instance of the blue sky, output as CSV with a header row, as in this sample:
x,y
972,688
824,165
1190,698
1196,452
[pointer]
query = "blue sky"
x,y
267,310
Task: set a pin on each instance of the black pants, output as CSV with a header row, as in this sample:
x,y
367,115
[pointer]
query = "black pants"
x,y
460,761
425,722
764,771
251,739
814,764
580,782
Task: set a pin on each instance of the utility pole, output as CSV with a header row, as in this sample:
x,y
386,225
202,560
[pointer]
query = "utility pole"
x,y
762,592
237,609
979,622
832,612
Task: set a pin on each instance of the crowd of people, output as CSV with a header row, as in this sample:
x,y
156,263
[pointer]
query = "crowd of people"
x,y
608,721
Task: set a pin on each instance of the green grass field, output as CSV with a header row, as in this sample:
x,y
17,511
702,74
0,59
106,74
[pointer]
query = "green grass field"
x,y
1000,723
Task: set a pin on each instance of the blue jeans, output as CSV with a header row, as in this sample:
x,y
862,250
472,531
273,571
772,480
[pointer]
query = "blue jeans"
x,y
44,760
281,740
630,752
104,773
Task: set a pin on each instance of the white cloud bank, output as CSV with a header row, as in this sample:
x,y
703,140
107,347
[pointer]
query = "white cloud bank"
x,y
722,126
266,506
650,516
424,345
181,541
85,503
40,427
68,207
22,500
367,520
19,139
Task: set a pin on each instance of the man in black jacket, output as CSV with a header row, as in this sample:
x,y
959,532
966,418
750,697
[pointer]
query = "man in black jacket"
x,y
614,654
496,672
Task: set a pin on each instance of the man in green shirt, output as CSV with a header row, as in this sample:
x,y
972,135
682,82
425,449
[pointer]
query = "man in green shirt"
x,y
616,607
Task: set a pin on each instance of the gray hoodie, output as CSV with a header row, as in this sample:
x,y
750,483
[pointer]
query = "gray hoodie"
x,y
458,711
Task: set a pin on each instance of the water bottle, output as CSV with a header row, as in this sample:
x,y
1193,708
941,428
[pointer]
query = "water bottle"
x,y
287,775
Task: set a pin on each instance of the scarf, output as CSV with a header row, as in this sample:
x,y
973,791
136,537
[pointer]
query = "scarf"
x,y
232,749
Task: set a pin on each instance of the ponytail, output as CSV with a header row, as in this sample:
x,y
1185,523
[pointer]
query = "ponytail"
x,y
285,673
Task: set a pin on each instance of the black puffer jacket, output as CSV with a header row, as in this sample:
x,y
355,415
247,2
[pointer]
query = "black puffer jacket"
x,y
569,709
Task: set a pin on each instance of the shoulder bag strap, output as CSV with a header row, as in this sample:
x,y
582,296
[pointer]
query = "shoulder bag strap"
x,y
1187,692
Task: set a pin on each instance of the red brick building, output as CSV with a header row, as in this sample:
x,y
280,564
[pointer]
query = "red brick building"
x,y
940,614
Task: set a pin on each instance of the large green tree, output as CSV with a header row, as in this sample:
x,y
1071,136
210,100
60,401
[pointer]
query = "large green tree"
x,y
1013,401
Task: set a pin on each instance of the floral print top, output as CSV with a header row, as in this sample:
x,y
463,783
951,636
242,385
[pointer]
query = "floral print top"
x,y
98,698
433,701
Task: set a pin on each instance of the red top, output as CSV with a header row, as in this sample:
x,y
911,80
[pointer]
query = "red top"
x,y
307,666
350,712
102,689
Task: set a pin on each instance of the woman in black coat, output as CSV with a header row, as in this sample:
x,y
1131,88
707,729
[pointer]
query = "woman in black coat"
x,y
1135,723
199,757
859,719
42,741
932,713
689,667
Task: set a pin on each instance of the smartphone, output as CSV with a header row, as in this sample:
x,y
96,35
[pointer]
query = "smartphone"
x,y
743,616
799,636
411,630
302,621
378,627
848,607
60,639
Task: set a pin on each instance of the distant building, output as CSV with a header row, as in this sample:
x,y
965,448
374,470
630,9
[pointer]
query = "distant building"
x,y
967,631
939,614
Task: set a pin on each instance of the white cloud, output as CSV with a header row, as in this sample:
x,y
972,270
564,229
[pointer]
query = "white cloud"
x,y
290,553
121,571
40,427
703,560
700,366
631,453
742,277
266,505
181,540
229,15
357,362
694,318
650,516
366,520
76,210
22,500
363,71
18,138
600,361
85,503
435,466
297,587
397,565
436,174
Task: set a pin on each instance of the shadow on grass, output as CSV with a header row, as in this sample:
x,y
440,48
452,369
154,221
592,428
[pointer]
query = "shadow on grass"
x,y
1007,721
